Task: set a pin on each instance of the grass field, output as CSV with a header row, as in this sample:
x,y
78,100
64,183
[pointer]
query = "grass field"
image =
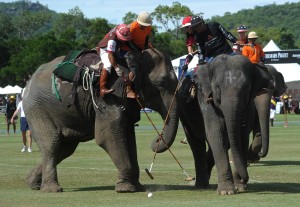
x,y
89,176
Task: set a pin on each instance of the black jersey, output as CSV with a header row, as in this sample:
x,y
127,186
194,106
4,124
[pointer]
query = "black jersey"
x,y
213,41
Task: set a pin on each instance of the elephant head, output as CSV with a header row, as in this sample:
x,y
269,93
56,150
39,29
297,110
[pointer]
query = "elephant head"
x,y
158,93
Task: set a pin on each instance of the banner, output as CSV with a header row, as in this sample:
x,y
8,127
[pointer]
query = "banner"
x,y
282,56
181,64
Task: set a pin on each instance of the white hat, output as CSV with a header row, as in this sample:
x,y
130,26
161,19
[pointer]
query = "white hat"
x,y
252,35
144,19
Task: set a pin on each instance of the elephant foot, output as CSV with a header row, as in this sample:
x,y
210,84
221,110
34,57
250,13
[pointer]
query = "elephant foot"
x,y
129,187
52,187
226,189
240,187
34,178
201,184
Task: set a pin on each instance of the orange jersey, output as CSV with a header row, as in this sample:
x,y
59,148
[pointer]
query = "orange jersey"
x,y
139,35
254,53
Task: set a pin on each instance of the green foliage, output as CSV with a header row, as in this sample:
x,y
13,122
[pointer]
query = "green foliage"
x,y
25,27
129,17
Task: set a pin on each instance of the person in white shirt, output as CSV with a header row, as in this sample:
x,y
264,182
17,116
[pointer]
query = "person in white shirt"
x,y
24,128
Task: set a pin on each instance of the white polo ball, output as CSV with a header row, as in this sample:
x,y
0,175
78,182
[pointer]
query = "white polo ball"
x,y
150,195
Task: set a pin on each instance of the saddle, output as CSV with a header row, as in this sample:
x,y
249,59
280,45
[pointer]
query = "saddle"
x,y
77,64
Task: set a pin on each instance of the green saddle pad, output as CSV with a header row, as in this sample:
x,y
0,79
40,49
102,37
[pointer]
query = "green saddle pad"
x,y
67,69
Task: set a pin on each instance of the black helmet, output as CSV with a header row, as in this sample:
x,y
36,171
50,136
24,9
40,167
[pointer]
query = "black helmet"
x,y
196,20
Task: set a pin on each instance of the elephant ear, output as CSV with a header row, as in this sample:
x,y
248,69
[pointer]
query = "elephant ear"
x,y
261,81
202,78
278,81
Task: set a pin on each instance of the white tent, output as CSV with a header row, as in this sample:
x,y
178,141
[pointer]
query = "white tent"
x,y
271,46
11,90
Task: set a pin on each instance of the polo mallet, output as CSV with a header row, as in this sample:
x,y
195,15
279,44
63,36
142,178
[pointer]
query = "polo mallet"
x,y
160,135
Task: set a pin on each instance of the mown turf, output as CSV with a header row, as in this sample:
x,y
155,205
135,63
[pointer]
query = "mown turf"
x,y
88,177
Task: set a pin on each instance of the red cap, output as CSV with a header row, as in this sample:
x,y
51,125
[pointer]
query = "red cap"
x,y
123,32
186,22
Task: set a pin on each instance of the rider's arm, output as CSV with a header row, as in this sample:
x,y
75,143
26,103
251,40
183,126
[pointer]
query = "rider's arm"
x,y
227,34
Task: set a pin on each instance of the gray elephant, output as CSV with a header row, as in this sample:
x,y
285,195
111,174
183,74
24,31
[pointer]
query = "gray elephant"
x,y
224,90
58,127
277,89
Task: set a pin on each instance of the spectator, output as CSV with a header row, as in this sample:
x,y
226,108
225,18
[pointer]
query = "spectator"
x,y
242,40
24,127
253,50
112,47
273,104
290,101
10,109
211,38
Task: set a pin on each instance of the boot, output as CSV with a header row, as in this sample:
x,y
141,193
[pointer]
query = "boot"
x,y
103,80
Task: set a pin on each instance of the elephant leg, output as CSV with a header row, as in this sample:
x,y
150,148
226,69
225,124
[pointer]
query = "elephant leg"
x,y
218,143
245,131
196,140
210,161
34,178
114,140
132,149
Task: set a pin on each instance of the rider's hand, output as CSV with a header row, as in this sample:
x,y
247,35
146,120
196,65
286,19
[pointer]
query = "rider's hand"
x,y
189,58
185,67
239,42
119,72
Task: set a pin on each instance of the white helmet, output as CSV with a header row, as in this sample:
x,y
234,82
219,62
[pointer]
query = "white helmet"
x,y
144,19
252,35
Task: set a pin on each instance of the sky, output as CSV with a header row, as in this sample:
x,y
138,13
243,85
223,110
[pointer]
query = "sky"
x,y
115,10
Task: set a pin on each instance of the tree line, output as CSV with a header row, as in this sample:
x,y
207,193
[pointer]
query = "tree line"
x,y
31,34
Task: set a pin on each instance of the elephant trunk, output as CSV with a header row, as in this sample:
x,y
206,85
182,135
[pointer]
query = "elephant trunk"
x,y
233,118
163,142
262,103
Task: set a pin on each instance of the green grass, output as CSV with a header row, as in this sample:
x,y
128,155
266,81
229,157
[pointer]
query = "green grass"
x,y
88,177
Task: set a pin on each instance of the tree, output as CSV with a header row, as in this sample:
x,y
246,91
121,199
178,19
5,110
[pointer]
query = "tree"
x,y
129,17
73,20
28,23
97,29
168,16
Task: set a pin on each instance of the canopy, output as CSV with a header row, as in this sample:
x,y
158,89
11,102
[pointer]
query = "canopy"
x,y
271,46
10,89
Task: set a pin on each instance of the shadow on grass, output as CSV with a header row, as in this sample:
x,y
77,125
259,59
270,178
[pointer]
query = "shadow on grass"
x,y
152,188
269,188
93,188
276,163
259,188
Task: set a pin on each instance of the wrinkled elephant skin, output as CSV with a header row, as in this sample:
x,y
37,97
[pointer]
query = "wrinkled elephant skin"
x,y
229,80
58,127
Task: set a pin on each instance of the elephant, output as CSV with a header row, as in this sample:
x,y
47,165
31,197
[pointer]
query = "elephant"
x,y
278,88
225,87
58,126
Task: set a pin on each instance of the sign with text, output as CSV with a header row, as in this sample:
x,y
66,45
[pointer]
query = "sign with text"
x,y
282,56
